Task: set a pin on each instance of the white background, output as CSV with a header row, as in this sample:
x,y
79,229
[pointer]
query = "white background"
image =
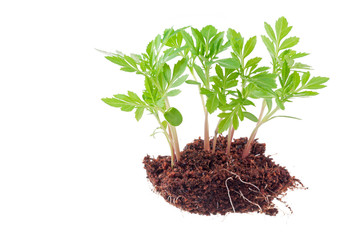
x,y
71,167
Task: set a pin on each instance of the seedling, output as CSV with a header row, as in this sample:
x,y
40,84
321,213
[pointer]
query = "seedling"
x,y
199,178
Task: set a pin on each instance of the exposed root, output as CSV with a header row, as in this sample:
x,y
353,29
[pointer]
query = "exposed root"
x,y
240,179
240,192
229,194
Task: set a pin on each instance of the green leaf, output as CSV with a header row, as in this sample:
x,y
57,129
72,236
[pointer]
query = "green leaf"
x,y
316,83
139,113
208,32
265,81
206,92
269,45
179,81
250,44
113,102
173,116
189,41
253,62
236,41
235,122
298,65
193,82
270,31
230,63
179,68
282,28
198,36
306,94
305,77
219,71
200,73
269,103
280,104
224,124
173,93
289,42
167,72
285,72
212,103
250,116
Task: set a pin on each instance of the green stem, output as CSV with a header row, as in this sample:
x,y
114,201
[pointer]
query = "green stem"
x,y
167,137
206,124
174,135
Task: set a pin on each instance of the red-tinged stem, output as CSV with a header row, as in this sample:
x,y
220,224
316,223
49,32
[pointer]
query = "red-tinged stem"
x,y
206,132
229,140
247,148
215,137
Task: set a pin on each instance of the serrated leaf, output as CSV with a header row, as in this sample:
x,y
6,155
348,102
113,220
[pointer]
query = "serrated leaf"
x,y
250,116
208,32
179,68
200,73
250,44
270,31
139,113
306,94
167,72
285,73
212,103
219,71
113,102
206,92
173,116
269,103
282,28
193,82
224,124
189,41
173,93
230,63
298,65
253,62
280,104
269,45
289,42
305,77
299,55
236,40
179,81
316,83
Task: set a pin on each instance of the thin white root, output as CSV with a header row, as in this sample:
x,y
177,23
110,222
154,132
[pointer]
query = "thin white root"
x,y
240,179
240,193
229,194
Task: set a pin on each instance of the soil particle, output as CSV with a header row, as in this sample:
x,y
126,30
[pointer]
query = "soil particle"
x,y
206,183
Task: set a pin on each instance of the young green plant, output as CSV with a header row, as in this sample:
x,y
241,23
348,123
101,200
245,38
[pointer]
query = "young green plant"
x,y
204,47
160,83
290,82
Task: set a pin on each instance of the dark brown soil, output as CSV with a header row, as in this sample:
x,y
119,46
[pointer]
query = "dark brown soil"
x,y
206,183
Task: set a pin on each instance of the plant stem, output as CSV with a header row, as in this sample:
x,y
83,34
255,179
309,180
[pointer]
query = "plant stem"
x,y
170,142
173,131
206,124
247,148
229,139
215,137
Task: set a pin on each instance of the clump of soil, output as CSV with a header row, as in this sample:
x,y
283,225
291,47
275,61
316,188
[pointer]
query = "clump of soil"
x,y
206,183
